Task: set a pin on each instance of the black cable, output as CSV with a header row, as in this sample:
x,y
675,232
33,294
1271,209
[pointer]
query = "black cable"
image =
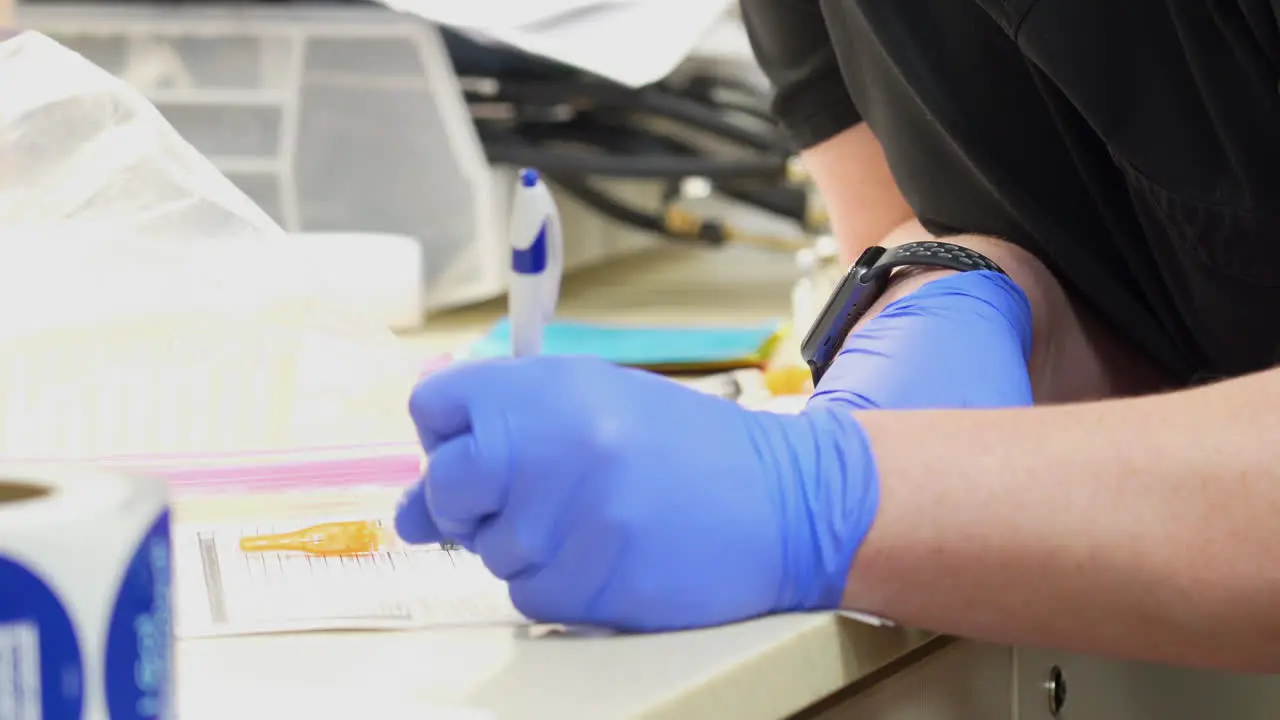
x,y
789,202
704,89
674,223
509,152
596,133
607,205
677,226
653,100
706,86
761,115
700,116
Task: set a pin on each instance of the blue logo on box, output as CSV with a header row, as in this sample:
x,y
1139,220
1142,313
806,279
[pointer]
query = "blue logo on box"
x,y
41,675
140,639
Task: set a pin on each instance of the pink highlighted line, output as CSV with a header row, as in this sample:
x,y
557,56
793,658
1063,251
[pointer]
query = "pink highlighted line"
x,y
333,467
301,474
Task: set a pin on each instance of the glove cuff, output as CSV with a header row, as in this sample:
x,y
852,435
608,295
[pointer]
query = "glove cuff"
x,y
829,493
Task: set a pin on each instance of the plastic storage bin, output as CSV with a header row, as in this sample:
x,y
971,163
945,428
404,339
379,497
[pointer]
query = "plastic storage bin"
x,y
332,118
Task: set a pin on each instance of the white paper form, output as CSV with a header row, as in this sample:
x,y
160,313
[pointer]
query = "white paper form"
x,y
632,42
497,14
221,590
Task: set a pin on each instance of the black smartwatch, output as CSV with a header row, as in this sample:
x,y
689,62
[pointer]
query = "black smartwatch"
x,y
865,282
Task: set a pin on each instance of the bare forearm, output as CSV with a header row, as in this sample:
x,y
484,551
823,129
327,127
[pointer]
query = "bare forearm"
x,y
1141,528
862,199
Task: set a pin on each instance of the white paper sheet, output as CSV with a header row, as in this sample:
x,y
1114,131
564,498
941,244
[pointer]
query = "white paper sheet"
x,y
497,14
632,42
221,590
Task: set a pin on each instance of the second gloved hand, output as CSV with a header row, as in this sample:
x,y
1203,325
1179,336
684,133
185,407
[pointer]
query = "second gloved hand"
x,y
961,341
616,497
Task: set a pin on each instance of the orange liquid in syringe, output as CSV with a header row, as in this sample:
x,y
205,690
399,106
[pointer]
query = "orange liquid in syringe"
x,y
357,537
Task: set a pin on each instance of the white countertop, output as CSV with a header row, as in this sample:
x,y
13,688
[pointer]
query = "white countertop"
x,y
763,669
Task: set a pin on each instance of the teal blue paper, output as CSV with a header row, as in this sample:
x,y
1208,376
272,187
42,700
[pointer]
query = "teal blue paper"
x,y
645,346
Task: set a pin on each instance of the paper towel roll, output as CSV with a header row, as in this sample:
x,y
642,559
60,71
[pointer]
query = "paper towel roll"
x,y
85,624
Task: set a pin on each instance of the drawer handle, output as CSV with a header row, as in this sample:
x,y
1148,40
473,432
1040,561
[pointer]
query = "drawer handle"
x,y
1056,689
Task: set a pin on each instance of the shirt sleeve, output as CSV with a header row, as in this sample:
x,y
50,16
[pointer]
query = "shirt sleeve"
x,y
793,47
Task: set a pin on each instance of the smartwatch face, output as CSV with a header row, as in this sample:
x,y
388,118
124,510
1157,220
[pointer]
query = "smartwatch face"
x,y
833,324
846,305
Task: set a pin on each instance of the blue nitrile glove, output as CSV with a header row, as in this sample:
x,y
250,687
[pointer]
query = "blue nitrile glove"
x,y
960,341
614,497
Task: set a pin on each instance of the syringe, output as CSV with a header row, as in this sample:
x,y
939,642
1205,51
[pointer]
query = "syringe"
x,y
351,537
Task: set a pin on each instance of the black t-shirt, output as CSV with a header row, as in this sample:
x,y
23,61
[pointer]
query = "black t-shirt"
x,y
1132,145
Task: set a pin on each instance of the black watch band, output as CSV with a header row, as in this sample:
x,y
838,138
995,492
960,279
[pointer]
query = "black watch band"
x,y
866,281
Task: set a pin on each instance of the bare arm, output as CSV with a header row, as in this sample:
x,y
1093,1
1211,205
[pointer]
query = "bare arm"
x,y
1074,356
813,106
1044,526
1142,528
861,196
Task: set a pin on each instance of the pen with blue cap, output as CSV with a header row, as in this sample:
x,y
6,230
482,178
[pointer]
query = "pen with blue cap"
x,y
537,263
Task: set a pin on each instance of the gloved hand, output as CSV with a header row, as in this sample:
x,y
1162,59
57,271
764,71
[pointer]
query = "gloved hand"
x,y
614,497
960,341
